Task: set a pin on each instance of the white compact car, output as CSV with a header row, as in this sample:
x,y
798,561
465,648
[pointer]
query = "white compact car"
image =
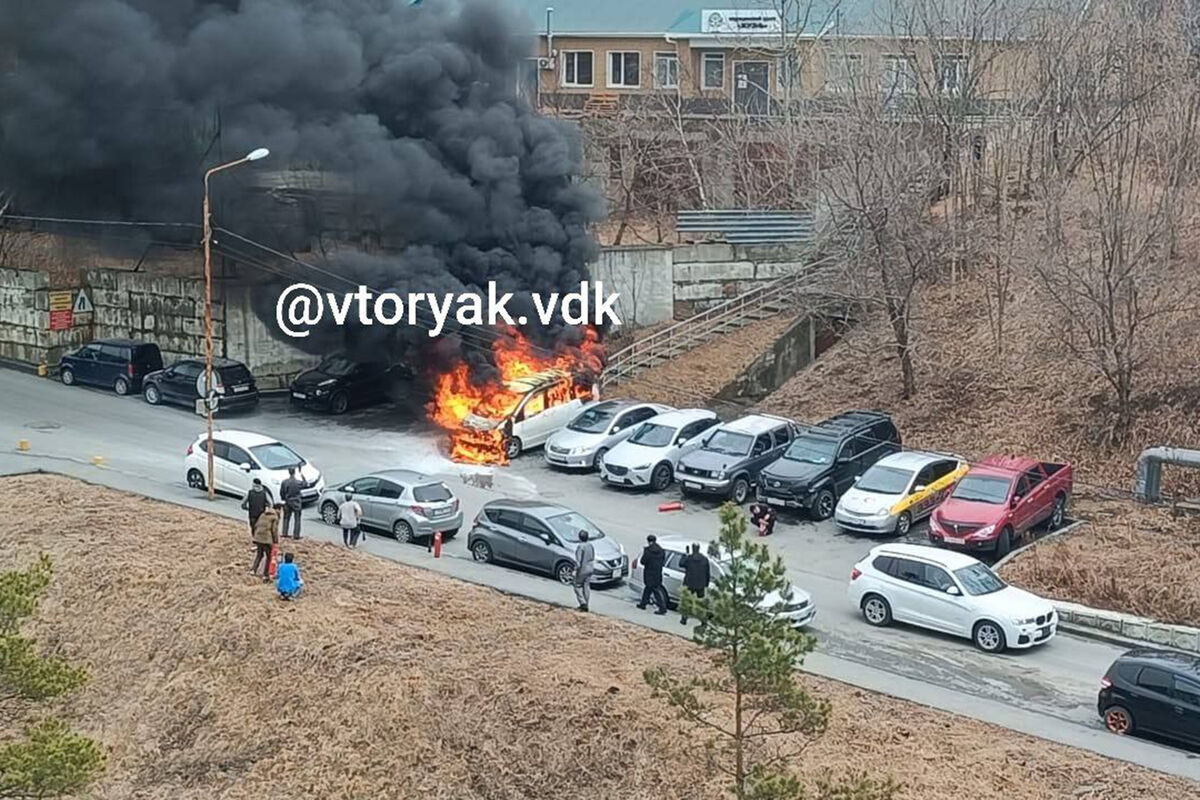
x,y
649,456
596,430
239,457
949,592
897,491
797,608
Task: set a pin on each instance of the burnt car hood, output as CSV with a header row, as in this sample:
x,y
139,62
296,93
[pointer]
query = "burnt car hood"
x,y
795,471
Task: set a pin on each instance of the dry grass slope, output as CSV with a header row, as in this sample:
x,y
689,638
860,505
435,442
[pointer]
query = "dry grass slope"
x,y
390,682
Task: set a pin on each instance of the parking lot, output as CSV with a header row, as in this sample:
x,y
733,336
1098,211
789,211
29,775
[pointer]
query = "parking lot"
x,y
143,447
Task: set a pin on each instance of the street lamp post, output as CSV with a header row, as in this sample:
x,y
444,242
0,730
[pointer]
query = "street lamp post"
x,y
255,155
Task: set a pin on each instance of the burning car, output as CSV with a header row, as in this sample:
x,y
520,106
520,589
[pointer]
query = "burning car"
x,y
544,403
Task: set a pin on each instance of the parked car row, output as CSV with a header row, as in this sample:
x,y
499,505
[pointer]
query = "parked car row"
x,y
129,366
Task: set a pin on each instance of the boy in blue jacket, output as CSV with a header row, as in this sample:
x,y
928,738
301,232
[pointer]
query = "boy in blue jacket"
x,y
287,579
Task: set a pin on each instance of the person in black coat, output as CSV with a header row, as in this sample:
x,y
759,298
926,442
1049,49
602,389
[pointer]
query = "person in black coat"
x,y
696,576
653,558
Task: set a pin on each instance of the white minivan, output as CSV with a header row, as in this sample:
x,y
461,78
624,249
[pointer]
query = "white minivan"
x,y
548,401
650,455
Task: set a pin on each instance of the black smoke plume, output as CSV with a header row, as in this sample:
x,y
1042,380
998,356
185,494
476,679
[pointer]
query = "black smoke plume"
x,y
113,109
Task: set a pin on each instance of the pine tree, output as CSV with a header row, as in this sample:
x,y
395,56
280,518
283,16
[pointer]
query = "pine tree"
x,y
755,714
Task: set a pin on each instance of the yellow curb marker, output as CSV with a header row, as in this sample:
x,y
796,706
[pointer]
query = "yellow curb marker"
x,y
23,445
98,461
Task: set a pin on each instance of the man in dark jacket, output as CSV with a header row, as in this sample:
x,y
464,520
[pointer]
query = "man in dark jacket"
x,y
289,493
653,558
255,502
695,576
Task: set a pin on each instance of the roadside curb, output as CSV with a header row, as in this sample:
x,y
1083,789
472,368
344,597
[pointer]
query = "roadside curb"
x,y
1126,629
1048,537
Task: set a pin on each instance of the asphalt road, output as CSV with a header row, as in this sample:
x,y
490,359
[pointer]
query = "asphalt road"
x,y
1048,691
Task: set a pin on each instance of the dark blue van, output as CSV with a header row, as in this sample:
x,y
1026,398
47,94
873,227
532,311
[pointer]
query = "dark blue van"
x,y
117,363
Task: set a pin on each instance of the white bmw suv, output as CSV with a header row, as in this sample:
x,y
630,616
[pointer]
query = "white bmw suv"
x,y
949,592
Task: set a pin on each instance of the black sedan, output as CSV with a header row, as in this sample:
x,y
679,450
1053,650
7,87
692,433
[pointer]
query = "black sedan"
x,y
338,384
183,382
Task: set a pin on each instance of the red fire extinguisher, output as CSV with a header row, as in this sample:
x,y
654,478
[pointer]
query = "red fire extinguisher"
x,y
437,544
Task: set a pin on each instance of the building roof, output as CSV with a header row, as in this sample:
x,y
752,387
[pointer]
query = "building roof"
x,y
686,18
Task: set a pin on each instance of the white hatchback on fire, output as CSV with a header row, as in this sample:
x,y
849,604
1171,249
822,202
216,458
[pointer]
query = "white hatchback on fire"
x,y
240,456
949,592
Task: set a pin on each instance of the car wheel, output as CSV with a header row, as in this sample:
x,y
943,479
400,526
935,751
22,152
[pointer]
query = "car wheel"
x,y
121,386
513,448
67,376
1118,720
195,480
596,459
329,513
402,531
662,476
823,505
904,524
1004,543
1059,512
339,403
481,551
741,490
565,572
989,637
152,395
876,611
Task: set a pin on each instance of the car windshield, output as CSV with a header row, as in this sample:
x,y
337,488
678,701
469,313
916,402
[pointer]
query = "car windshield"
x,y
651,435
810,450
729,443
337,366
977,579
594,420
982,489
568,526
884,480
431,493
276,456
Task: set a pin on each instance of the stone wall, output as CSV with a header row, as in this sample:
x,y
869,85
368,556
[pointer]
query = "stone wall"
x,y
643,278
708,274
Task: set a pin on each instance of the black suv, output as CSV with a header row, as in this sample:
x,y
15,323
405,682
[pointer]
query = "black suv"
x,y
338,383
1153,691
119,363
823,461
183,383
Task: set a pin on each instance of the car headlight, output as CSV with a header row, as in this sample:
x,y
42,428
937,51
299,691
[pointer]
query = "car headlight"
x,y
721,475
1027,621
579,451
642,466
881,514
985,531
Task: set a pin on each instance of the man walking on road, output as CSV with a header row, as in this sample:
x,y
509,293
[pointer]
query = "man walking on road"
x,y
289,493
255,503
695,576
266,534
653,558
585,566
349,517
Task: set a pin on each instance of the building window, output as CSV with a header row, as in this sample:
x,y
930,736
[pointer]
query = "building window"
x,y
899,75
624,70
666,71
577,68
712,71
844,71
951,74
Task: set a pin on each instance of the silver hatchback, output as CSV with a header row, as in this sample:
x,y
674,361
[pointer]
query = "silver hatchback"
x,y
543,537
406,504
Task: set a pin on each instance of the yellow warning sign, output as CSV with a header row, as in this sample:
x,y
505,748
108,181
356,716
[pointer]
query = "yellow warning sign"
x,y
62,301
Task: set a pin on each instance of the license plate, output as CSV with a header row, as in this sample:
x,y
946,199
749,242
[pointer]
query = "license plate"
x,y
691,484
241,387
776,502
955,540
441,512
299,396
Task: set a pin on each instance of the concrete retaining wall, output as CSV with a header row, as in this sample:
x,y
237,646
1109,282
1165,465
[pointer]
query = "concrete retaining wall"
x,y
794,350
643,278
708,274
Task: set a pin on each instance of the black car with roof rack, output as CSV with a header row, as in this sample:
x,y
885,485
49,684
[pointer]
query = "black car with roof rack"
x,y
824,459
1152,691
183,383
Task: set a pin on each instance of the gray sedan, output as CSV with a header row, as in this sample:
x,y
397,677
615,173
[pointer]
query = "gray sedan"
x,y
406,504
543,537
596,430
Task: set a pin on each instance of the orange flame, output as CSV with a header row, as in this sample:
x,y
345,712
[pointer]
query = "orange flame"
x,y
455,396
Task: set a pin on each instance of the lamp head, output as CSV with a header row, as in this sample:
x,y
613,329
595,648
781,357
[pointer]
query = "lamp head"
x,y
255,155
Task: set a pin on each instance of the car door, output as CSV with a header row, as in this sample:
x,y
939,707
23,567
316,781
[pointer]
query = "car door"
x,y
1186,710
1154,702
113,363
905,576
627,422
846,466
221,466
184,385
673,575
83,363
925,477
238,479
528,424
1023,510
386,503
689,438
538,544
943,610
507,535
1041,501
363,492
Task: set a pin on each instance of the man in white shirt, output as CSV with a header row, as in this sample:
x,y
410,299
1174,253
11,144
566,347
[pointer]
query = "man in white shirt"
x,y
349,517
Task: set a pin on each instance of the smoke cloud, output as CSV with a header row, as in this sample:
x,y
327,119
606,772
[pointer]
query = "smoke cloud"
x,y
114,108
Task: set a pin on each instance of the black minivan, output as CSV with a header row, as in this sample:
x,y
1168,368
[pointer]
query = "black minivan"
x,y
1153,691
119,363
182,383
822,462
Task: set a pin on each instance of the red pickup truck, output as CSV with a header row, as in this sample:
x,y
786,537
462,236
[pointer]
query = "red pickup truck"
x,y
998,500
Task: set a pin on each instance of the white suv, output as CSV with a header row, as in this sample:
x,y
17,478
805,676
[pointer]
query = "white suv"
x,y
239,457
949,592
649,456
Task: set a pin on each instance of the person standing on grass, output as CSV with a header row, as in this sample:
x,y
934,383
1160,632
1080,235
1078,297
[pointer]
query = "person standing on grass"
x,y
288,580
255,503
696,576
349,517
585,567
289,493
653,559
266,535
